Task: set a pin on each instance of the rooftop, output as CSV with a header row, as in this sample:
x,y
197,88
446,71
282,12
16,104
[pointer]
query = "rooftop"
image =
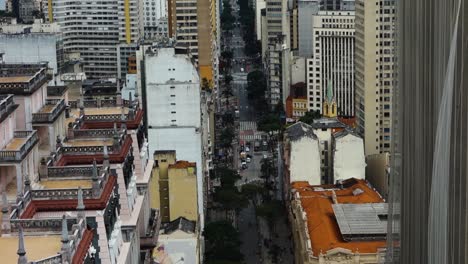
x,y
299,130
66,184
317,203
182,164
15,79
87,142
37,247
327,123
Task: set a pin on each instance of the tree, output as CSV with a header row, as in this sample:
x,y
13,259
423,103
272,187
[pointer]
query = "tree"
x,y
310,116
227,119
206,84
269,123
222,243
227,79
227,176
270,211
230,198
226,137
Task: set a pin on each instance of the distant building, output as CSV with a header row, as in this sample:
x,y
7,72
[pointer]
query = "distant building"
x,y
155,19
193,23
176,182
114,24
259,5
375,72
296,103
178,242
333,223
33,43
332,60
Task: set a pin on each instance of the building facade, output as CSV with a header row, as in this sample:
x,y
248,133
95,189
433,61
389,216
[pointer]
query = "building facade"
x,y
277,51
95,30
155,19
174,102
332,62
375,72
194,24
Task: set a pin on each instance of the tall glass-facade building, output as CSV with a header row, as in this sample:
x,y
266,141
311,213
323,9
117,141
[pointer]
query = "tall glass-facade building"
x,y
430,153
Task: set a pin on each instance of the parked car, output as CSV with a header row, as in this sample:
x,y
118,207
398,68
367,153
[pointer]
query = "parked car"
x,y
247,149
265,156
248,160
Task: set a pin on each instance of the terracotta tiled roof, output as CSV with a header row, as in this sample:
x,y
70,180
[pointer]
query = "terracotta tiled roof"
x,y
323,229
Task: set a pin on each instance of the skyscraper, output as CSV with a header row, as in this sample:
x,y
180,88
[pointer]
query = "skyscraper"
x,y
429,170
374,62
95,29
194,24
332,62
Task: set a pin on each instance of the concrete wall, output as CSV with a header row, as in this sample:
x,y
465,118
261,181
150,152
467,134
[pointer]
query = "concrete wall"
x,y
259,5
182,190
305,161
349,159
30,48
7,128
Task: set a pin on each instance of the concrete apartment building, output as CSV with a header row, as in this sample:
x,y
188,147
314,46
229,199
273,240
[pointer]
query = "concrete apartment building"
x,y
375,72
194,24
338,223
276,50
88,196
332,60
94,30
177,117
155,19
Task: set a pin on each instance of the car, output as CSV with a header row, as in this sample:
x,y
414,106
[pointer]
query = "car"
x,y
248,160
242,69
247,149
265,156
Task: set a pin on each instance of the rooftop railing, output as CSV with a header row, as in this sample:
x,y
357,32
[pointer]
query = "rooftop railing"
x,y
18,155
56,90
59,107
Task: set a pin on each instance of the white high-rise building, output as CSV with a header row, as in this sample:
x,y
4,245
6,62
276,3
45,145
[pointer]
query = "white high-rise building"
x,y
174,106
332,62
375,58
95,29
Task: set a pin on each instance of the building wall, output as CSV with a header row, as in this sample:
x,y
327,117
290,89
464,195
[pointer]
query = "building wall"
x,y
32,48
306,11
326,154
305,161
349,159
182,191
374,62
298,70
259,5
7,128
333,60
377,172
299,107
27,106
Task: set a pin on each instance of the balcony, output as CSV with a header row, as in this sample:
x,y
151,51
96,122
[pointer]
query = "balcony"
x,y
7,106
150,240
17,149
56,90
50,111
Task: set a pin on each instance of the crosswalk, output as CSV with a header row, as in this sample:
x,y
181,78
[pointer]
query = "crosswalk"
x,y
257,136
248,125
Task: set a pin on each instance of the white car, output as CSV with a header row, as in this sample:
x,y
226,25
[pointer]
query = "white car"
x,y
247,149
248,160
265,156
242,69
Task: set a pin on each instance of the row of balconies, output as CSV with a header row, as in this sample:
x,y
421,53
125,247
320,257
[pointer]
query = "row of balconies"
x,y
50,111
27,139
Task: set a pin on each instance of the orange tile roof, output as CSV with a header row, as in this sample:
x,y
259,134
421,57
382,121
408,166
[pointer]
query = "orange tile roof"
x,y
323,229
182,164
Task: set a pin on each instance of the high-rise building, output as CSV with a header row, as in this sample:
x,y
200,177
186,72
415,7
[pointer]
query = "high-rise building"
x,y
154,19
176,110
194,24
332,62
277,54
94,30
429,172
374,62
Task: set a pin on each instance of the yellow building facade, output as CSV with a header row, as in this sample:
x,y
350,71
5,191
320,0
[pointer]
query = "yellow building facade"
x,y
176,185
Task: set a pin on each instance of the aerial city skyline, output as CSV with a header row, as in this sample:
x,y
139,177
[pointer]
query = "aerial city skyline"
x,y
233,131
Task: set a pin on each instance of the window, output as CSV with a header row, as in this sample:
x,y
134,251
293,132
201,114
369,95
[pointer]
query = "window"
x,y
172,95
172,103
